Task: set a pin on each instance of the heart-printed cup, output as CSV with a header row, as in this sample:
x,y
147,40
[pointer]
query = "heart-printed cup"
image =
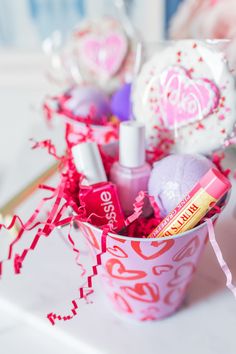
x,y
146,292
184,100
103,54
146,279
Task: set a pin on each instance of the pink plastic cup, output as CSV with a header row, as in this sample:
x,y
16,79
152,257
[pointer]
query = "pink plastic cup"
x,y
146,279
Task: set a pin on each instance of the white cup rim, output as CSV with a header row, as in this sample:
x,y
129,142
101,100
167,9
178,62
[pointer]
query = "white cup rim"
x,y
128,238
182,234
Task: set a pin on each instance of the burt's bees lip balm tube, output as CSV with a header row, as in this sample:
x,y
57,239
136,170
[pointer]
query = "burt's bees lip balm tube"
x,y
204,195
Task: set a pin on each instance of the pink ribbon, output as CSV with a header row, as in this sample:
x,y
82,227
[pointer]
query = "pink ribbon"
x,y
220,258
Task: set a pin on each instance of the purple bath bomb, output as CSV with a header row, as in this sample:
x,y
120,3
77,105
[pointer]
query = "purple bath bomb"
x,y
120,102
89,101
173,177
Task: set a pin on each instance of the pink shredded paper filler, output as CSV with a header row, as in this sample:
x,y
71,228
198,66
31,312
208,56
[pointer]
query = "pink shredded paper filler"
x,y
219,256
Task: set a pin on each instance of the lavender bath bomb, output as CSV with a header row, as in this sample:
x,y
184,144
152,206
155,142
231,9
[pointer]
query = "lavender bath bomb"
x,y
87,101
120,102
173,177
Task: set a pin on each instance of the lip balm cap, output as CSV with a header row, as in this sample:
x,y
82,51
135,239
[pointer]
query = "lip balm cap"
x,y
215,183
88,161
132,144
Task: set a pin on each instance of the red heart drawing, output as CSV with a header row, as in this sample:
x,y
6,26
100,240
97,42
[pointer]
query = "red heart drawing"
x,y
104,54
90,237
174,296
121,304
117,270
117,252
185,100
182,274
188,250
156,250
159,269
145,292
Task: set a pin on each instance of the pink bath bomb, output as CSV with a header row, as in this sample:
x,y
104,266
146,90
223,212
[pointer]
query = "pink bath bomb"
x,y
173,177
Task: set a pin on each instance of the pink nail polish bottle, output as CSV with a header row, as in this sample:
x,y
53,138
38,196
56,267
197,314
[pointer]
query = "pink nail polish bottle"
x,y
99,196
131,173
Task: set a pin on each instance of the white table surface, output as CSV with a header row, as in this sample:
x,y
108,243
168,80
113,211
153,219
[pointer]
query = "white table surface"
x,y
50,277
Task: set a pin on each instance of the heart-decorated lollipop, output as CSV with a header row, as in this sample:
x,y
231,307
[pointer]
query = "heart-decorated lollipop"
x,y
185,100
187,89
104,52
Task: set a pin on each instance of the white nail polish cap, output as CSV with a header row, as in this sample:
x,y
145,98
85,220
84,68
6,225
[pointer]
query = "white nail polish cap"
x,y
88,161
132,144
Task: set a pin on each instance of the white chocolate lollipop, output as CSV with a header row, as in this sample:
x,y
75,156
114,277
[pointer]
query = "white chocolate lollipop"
x,y
187,88
105,52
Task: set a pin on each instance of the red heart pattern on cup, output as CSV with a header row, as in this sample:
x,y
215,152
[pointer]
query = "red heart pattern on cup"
x,y
157,249
138,274
121,303
159,269
173,296
188,250
117,270
150,314
145,292
182,274
117,251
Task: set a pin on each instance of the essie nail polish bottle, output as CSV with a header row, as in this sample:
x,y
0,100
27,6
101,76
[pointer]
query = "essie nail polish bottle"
x,y
131,173
99,196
